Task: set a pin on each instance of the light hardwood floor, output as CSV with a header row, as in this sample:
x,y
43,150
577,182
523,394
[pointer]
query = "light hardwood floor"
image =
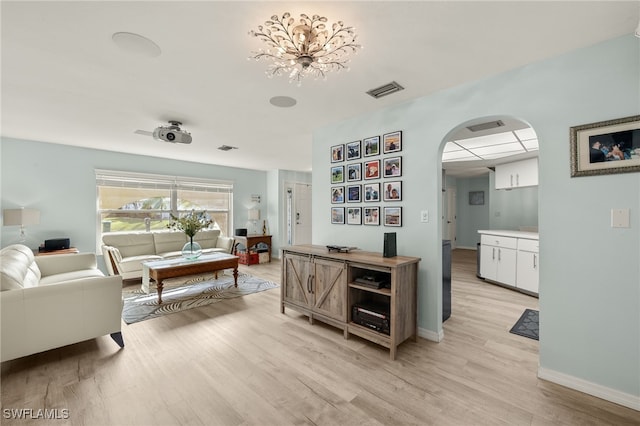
x,y
241,362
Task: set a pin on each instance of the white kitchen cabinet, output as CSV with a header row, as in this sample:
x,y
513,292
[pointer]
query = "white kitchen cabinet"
x,y
517,174
527,276
498,259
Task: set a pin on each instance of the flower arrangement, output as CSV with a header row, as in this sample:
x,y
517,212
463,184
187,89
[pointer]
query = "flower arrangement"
x,y
191,223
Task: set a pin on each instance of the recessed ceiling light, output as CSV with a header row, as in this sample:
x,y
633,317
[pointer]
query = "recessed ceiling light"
x,y
282,101
136,44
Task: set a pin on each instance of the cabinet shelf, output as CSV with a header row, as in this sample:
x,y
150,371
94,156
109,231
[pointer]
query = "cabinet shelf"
x,y
383,291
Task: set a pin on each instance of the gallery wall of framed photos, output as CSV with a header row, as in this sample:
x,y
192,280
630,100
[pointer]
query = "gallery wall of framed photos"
x,y
365,181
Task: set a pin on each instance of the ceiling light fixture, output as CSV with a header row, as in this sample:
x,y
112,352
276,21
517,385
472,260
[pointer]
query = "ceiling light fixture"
x,y
304,48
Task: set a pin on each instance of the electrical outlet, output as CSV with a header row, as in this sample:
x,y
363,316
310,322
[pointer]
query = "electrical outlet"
x,y
424,216
620,218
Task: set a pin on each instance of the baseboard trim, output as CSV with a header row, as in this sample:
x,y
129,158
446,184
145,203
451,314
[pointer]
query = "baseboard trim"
x,y
431,335
603,392
466,248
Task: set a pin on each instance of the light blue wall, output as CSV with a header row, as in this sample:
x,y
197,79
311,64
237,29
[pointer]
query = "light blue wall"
x,y
590,311
471,218
511,209
59,181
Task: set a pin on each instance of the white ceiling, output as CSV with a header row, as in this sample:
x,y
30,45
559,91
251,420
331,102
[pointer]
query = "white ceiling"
x,y
65,81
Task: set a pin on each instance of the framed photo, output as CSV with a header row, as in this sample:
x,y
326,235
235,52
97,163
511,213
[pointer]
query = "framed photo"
x,y
393,191
371,192
392,142
353,193
476,198
372,146
393,167
353,150
337,194
337,215
393,216
372,169
606,147
372,216
354,172
337,174
337,153
354,216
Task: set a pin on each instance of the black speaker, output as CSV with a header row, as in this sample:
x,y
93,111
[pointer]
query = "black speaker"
x,y
389,244
241,232
57,244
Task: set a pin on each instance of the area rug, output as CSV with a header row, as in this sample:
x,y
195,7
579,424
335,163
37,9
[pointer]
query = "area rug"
x,y
180,294
527,325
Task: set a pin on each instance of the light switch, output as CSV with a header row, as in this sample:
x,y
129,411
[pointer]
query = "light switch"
x,y
424,216
619,218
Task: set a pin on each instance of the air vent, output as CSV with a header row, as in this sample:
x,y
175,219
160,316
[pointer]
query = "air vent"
x,y
385,90
486,126
227,147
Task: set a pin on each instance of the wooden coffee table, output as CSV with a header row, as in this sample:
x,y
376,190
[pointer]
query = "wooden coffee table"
x,y
159,270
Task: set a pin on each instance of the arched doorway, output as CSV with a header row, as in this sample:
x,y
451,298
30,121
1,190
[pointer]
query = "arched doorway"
x,y
470,202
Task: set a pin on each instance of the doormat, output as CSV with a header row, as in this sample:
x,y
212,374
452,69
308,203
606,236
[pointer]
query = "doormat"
x,y
527,325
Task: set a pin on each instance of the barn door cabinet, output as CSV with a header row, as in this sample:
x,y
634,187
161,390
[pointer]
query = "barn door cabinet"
x,y
322,285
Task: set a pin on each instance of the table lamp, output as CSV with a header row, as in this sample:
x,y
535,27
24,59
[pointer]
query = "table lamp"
x,y
21,217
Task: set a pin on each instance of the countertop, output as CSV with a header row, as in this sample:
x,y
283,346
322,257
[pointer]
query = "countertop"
x,y
508,233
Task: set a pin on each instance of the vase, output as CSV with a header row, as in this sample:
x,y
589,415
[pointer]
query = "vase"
x,y
191,250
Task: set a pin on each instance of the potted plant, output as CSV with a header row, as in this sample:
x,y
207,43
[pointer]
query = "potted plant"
x,y
190,224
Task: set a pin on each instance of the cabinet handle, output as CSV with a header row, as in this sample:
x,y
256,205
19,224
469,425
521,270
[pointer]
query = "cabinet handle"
x,y
493,254
511,181
518,179
499,253
535,260
309,284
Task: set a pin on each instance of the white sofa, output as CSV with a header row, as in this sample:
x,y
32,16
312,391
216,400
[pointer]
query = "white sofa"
x,y
52,301
124,252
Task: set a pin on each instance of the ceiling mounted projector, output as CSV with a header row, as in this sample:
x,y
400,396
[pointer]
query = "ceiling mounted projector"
x,y
171,133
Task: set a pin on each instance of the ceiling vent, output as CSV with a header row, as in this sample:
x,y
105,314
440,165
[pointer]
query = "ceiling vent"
x,y
227,148
486,126
385,90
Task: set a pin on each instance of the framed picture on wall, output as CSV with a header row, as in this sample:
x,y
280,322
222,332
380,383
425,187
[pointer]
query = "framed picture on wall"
x,y
337,194
353,193
371,146
372,169
392,142
392,216
393,167
371,192
354,172
337,153
476,198
606,147
353,150
371,215
354,216
337,174
393,191
337,215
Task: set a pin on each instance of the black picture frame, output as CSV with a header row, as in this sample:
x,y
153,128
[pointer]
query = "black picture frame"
x,y
392,167
337,194
337,215
371,192
392,191
354,216
392,216
337,153
337,174
372,169
371,216
354,193
371,146
354,172
476,198
354,150
392,142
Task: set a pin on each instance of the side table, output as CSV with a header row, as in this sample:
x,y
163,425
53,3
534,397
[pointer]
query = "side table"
x,y
70,250
251,240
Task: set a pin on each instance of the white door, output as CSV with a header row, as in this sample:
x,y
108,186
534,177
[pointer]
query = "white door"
x,y
301,213
450,224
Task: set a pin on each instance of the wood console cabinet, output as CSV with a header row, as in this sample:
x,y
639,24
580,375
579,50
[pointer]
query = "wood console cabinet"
x,y
322,285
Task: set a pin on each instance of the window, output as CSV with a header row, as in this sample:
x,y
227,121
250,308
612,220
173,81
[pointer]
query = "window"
x,y
137,201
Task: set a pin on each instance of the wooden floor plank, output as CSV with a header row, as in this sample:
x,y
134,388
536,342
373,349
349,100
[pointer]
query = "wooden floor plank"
x,y
242,362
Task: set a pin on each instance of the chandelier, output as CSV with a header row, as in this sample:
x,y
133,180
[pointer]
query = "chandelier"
x,y
304,48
